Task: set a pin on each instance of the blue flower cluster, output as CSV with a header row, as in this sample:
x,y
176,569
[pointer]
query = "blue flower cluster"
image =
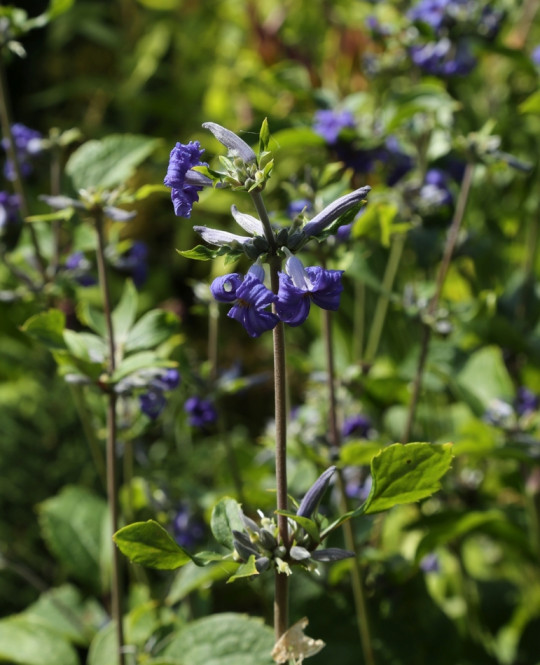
x,y
248,295
298,287
452,22
27,146
201,412
329,124
153,401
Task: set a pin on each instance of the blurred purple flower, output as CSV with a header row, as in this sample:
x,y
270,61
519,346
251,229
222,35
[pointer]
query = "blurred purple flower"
x,y
355,489
444,58
133,262
430,563
435,190
358,425
152,403
185,189
187,529
299,286
296,207
250,299
202,412
328,124
27,146
535,56
432,12
168,380
526,401
79,266
9,209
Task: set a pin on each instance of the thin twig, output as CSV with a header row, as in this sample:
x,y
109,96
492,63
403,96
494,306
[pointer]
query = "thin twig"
x,y
432,307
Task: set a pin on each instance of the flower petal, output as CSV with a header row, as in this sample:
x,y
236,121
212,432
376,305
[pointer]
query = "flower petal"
x,y
231,141
224,288
247,222
335,210
219,238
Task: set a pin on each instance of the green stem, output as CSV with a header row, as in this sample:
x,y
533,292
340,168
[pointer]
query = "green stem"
x,y
281,596
359,324
257,199
359,595
381,308
432,307
112,471
18,186
57,224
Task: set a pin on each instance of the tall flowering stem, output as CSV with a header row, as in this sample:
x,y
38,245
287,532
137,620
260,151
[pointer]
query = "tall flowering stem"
x,y
5,121
348,533
281,592
432,307
112,470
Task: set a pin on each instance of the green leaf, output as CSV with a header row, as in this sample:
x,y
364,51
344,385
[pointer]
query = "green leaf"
x,y
152,329
139,361
104,649
264,136
358,453
125,312
222,639
247,569
149,544
192,577
92,318
72,526
64,611
23,641
47,328
379,217
109,162
484,378
57,215
226,517
86,346
199,253
531,104
57,7
308,525
406,473
147,190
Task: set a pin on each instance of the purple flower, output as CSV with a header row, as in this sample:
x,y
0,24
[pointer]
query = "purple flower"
x,y
133,262
355,489
9,209
535,56
430,563
432,12
152,403
79,265
302,285
526,401
398,162
358,425
315,493
27,146
184,188
168,380
202,412
299,205
187,529
435,190
443,58
250,299
329,124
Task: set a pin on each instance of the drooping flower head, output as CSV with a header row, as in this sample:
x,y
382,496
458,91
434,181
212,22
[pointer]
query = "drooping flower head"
x,y
298,286
358,425
154,400
9,209
328,124
185,184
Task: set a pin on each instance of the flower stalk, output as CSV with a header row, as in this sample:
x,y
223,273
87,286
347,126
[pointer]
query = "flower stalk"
x,y
111,462
451,241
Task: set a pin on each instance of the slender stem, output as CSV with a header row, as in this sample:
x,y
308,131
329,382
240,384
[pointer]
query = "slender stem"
x,y
112,472
57,224
281,597
359,324
18,186
213,326
257,199
432,307
348,533
379,317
